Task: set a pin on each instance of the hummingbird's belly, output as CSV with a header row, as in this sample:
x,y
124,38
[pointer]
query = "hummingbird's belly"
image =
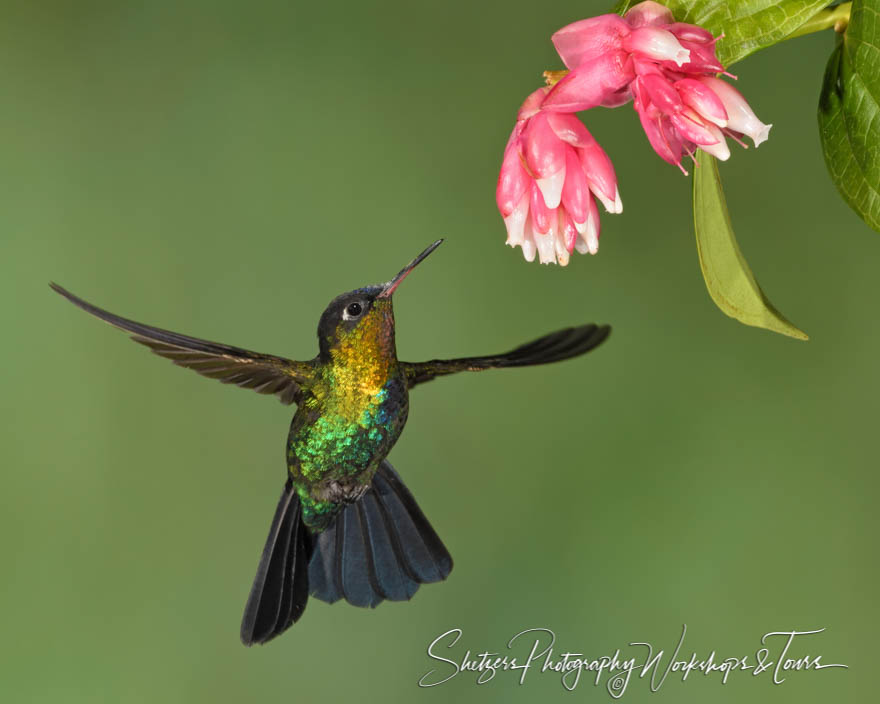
x,y
346,442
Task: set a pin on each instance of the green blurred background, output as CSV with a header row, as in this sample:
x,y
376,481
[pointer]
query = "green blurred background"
x,y
224,169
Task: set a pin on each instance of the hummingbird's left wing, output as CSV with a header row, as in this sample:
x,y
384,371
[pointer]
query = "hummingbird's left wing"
x,y
264,373
559,345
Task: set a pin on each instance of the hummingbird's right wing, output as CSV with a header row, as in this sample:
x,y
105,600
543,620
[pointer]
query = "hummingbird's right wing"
x,y
559,345
264,373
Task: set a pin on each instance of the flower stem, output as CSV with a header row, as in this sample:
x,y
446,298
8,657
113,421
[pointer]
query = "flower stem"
x,y
836,17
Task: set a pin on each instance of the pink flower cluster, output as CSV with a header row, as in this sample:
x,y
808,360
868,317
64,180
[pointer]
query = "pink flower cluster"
x,y
554,171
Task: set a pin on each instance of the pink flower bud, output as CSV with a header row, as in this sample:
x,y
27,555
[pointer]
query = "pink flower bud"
x,y
588,39
702,99
569,232
513,181
544,151
648,13
663,142
662,93
600,175
690,32
588,85
541,214
569,129
693,128
576,191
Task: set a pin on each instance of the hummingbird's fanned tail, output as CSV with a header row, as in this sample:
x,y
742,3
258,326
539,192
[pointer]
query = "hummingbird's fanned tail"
x,y
281,588
381,547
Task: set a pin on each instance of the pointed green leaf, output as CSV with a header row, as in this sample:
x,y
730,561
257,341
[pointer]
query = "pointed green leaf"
x,y
849,112
747,25
728,277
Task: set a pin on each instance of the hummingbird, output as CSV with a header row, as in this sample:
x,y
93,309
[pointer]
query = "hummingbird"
x,y
345,527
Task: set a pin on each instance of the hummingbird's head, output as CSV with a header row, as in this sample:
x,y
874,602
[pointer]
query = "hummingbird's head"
x,y
360,324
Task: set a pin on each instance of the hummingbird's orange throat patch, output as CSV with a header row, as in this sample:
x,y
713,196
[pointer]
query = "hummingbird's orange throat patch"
x,y
365,356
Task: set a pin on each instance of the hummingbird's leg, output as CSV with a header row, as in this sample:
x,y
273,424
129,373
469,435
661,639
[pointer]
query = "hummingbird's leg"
x,y
341,492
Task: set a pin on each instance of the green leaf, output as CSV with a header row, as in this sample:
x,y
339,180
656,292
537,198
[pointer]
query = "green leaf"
x,y
728,277
748,25
849,116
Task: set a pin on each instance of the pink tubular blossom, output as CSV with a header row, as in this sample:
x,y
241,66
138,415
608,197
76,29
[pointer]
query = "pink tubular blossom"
x,y
701,59
551,176
648,13
513,182
656,43
588,85
691,32
554,173
703,99
672,129
544,151
740,116
587,39
680,115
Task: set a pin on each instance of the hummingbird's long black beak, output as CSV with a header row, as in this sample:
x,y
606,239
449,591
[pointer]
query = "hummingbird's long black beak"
x,y
395,282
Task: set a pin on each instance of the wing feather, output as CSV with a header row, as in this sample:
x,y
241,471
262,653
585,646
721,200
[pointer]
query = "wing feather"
x,y
264,373
559,345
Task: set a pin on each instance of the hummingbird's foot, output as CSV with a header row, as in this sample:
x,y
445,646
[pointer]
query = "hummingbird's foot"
x,y
340,492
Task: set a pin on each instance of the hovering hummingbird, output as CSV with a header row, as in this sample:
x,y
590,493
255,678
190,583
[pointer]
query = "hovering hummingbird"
x,y
345,527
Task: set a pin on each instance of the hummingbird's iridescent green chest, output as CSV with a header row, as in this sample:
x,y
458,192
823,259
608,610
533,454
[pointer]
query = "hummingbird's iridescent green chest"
x,y
347,430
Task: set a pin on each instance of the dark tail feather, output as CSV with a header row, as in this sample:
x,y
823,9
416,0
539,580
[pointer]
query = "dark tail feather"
x,y
381,547
281,588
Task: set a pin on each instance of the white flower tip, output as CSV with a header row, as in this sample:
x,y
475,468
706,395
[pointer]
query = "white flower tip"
x,y
611,206
682,56
761,134
546,248
720,150
551,188
591,237
562,255
658,44
529,249
516,221
515,225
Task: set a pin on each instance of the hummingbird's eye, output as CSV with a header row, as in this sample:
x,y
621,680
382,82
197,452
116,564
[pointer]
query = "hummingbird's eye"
x,y
353,310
